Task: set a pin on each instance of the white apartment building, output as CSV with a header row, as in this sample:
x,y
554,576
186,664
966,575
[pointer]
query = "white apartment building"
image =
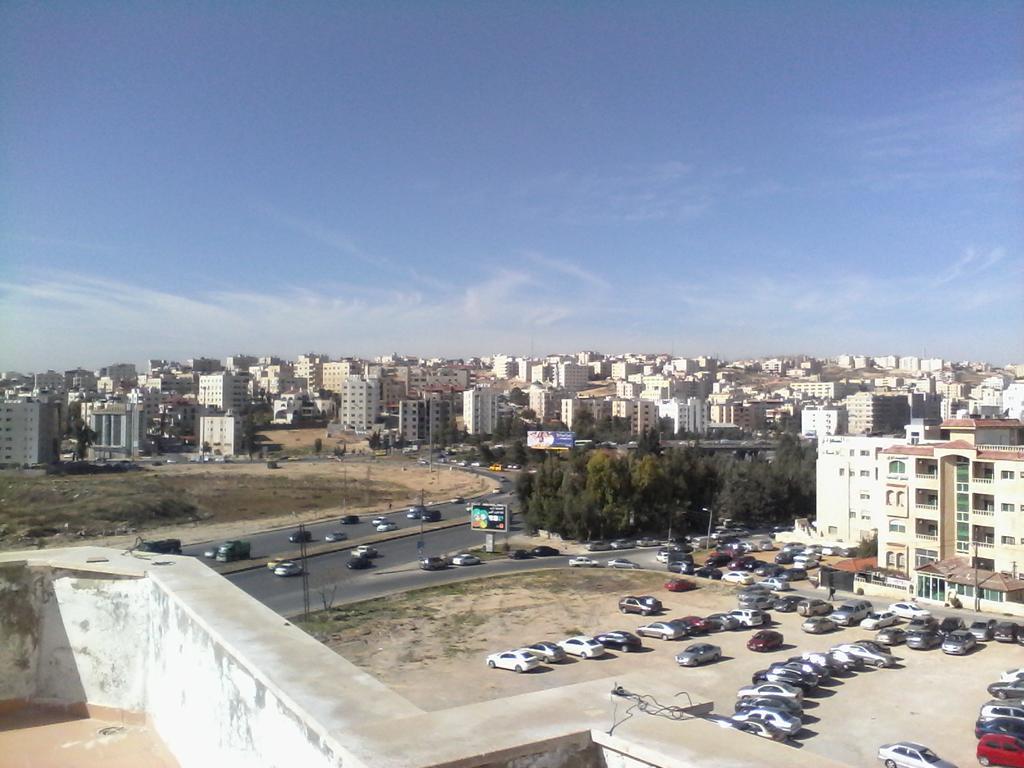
x,y
572,377
224,391
598,407
887,362
821,421
943,506
120,430
504,367
692,414
909,363
546,402
657,387
29,432
272,380
1013,400
623,369
334,373
820,390
360,403
221,434
481,409
310,369
50,381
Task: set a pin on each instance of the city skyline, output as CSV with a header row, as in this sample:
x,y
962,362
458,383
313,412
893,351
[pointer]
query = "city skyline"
x,y
459,181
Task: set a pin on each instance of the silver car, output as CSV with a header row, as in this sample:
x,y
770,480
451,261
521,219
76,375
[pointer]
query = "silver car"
x,y
785,722
664,630
698,653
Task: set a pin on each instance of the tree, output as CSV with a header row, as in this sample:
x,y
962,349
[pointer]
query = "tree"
x,y
84,437
318,446
517,397
374,441
517,453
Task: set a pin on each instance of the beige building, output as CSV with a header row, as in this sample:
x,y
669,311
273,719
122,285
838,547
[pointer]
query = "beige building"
x,y
224,391
870,413
310,368
333,374
598,407
571,377
29,432
220,434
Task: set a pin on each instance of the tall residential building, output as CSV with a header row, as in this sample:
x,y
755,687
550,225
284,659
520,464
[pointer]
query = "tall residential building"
x,y
51,381
622,369
822,421
204,365
481,409
546,402
221,434
691,414
572,377
598,407
420,421
241,362
224,391
80,379
871,413
120,430
360,403
642,414
29,432
504,367
334,373
847,486
310,368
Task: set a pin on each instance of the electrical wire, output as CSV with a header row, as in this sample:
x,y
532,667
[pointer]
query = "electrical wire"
x,y
646,704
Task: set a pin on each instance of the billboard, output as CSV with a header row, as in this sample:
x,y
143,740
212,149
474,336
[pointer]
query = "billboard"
x,y
551,441
488,517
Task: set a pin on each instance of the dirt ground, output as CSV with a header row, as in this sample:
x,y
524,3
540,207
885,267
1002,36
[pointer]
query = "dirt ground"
x,y
430,646
301,440
199,502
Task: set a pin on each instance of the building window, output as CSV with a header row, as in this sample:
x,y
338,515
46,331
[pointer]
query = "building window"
x,y
924,556
897,526
1006,474
865,496
1006,507
865,473
1008,540
842,471
865,453
833,530
897,467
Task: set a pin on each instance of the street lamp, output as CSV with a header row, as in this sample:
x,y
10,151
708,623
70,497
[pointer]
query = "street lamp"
x,y
711,518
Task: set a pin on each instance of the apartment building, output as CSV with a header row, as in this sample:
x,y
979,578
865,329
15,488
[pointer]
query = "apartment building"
x,y
360,403
240,362
203,365
622,369
221,434
272,380
691,414
657,387
598,407
820,421
420,421
944,506
310,369
641,414
29,432
546,402
820,390
79,379
871,413
120,430
481,409
504,367
224,391
51,381
334,373
572,377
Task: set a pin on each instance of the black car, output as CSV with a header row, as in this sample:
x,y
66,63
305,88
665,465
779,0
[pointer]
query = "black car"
x,y
707,572
544,551
433,563
950,624
519,554
620,640
685,567
358,563
1005,632
350,520
679,557
789,706
793,574
1008,725
161,546
784,558
298,536
786,603
717,558
767,570
430,516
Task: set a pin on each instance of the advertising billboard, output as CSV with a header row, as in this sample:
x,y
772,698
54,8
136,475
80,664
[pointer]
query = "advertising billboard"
x,y
488,517
551,441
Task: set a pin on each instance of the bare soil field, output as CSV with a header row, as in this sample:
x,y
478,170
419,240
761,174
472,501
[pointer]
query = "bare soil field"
x,y
430,646
195,502
302,440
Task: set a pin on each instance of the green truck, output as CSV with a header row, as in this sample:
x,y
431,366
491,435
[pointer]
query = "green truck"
x,y
234,550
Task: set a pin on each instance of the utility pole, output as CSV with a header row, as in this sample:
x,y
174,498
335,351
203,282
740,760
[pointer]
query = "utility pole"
x,y
711,517
305,571
977,592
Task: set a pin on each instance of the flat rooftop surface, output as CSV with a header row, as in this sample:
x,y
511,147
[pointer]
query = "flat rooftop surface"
x,y
44,738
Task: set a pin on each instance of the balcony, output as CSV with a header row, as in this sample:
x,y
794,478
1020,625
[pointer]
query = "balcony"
x,y
984,512
926,505
986,480
984,543
926,536
926,475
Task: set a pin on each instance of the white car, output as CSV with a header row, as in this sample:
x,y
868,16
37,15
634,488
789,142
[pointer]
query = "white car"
x,y
909,611
518,661
775,584
336,536
464,558
288,568
786,723
739,577
582,561
378,520
582,646
907,754
869,657
1012,675
879,620
782,690
387,525
621,562
364,550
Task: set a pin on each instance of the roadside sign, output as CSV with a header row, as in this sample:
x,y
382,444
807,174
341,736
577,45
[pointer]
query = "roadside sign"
x,y
488,517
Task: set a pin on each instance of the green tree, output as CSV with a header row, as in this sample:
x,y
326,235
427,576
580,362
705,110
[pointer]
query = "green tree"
x,y
517,397
84,437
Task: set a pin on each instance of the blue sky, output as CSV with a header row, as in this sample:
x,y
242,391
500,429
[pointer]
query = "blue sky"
x,y
739,178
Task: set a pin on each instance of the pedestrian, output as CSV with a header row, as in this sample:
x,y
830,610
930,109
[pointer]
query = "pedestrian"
x,y
831,592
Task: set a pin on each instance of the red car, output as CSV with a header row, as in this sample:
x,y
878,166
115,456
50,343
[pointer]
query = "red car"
x,y
765,640
1001,749
695,624
679,585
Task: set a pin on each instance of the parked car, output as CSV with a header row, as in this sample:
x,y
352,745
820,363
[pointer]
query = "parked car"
x,y
891,636
784,558
582,561
1017,673
849,662
718,622
909,754
620,640
869,656
1005,632
387,526
786,603
813,606
982,629
760,600
765,640
647,541
544,551
754,728
664,630
1012,689
923,622
300,536
365,550
708,572
750,617
923,639
645,605
518,661
464,558
433,563
793,574
697,654
546,651
288,568
1009,725
582,646
776,584
336,536
951,624
358,562
622,563
1000,749
738,577
806,672
679,585
716,559
878,620
519,554
782,690
909,611
695,625
349,519
792,677
959,642
598,546
991,710
818,625
851,613
623,544
790,706
768,570
681,566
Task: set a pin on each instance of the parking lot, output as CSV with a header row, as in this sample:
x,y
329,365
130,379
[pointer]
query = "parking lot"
x,y
928,697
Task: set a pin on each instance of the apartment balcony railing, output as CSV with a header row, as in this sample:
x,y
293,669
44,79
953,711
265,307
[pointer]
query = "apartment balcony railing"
x,y
983,480
927,475
984,543
987,512
926,504
926,536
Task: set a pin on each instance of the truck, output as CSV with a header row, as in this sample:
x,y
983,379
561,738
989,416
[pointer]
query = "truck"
x,y
234,550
